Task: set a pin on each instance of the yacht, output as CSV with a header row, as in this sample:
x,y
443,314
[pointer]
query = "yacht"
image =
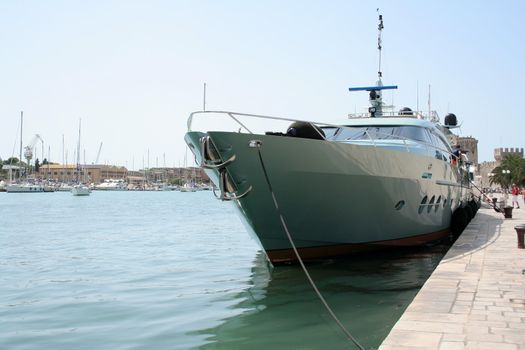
x,y
64,187
25,187
80,190
112,185
187,187
314,190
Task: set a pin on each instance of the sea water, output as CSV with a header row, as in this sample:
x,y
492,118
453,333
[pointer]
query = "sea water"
x,y
172,270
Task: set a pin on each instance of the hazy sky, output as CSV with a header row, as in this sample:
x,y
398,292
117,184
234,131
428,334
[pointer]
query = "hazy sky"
x,y
134,70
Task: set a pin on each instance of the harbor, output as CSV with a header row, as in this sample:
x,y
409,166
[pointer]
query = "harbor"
x,y
138,269
475,298
257,176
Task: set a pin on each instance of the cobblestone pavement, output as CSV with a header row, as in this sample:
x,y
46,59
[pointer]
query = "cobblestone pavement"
x,y
475,299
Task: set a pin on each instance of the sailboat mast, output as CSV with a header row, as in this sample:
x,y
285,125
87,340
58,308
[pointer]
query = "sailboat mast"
x,y
48,157
204,98
78,151
21,127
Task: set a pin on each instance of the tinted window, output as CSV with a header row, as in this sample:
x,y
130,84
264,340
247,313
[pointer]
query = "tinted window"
x,y
413,133
382,132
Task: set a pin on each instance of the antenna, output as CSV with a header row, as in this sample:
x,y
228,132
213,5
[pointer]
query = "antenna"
x,y
379,42
429,103
375,92
204,99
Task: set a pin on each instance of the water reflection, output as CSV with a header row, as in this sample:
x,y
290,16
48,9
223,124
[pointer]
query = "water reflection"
x,y
368,293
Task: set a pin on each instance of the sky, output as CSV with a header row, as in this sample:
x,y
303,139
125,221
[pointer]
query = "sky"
x,y
133,71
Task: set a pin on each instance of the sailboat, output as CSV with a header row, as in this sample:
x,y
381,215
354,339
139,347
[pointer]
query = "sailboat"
x,y
188,185
79,189
21,185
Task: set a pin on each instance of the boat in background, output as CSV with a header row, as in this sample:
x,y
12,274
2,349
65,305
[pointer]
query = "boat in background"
x,y
80,189
64,187
112,185
25,187
315,190
187,187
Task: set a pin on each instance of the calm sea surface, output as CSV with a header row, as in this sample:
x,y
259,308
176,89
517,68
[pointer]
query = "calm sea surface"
x,y
171,270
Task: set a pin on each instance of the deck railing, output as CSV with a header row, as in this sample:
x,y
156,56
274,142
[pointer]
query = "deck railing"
x,y
375,141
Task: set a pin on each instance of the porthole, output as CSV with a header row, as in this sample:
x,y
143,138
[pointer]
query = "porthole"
x,y
438,202
400,205
429,207
423,204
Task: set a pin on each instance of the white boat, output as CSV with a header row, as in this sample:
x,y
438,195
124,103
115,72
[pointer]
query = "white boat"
x,y
63,187
80,190
367,182
24,188
187,188
112,185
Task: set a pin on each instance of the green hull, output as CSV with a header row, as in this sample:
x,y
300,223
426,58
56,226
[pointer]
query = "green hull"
x,y
335,197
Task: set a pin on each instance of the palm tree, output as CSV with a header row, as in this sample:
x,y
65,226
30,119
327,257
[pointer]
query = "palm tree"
x,y
511,170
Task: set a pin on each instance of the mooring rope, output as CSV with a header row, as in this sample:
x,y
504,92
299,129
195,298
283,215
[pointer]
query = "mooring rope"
x,y
483,194
312,283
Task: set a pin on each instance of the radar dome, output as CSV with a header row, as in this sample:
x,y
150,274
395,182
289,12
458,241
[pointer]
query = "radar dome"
x,y
450,119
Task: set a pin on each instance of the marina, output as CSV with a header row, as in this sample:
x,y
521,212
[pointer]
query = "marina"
x,y
261,176
136,269
67,279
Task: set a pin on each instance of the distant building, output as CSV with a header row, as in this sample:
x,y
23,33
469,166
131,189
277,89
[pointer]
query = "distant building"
x,y
500,153
470,145
89,173
165,174
486,168
98,173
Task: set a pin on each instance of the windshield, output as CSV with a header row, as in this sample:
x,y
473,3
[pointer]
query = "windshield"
x,y
380,133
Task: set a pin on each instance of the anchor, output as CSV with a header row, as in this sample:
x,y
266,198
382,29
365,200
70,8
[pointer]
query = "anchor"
x,y
211,160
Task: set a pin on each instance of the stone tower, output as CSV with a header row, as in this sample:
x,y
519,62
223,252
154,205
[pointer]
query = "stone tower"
x,y
500,153
470,144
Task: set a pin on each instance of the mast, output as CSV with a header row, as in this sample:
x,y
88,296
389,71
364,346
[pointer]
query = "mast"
x,y
78,151
380,28
375,99
48,157
63,159
204,99
21,127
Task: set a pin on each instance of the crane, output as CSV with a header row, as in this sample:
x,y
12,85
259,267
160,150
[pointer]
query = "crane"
x,y
98,153
28,150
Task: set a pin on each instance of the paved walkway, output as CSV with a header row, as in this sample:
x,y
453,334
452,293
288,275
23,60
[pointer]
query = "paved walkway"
x,y
475,299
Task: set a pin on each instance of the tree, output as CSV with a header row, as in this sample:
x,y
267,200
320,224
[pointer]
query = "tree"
x,y
12,160
37,165
175,181
510,171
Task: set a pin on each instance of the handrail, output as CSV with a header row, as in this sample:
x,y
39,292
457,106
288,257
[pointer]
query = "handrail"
x,y
395,137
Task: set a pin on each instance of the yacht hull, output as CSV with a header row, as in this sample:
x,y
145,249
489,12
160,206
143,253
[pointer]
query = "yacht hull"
x,y
24,188
80,190
334,197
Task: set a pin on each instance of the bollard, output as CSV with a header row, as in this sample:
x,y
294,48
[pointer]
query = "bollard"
x,y
520,231
507,212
